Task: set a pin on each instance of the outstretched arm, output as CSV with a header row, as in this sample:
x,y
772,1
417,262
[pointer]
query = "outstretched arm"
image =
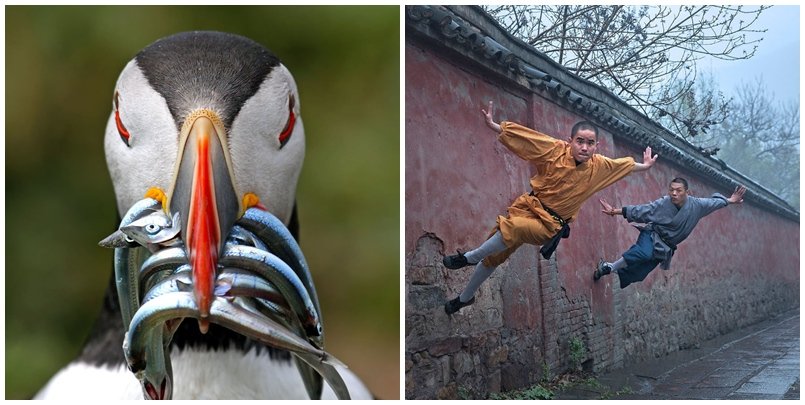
x,y
718,201
488,116
648,161
643,213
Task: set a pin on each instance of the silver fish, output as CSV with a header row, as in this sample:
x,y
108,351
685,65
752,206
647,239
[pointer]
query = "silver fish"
x,y
231,282
166,259
127,261
154,230
173,283
156,379
140,209
285,316
281,243
154,371
278,240
259,328
267,296
276,271
155,313
240,236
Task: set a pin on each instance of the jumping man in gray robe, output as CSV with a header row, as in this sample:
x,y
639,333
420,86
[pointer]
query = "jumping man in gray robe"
x,y
669,220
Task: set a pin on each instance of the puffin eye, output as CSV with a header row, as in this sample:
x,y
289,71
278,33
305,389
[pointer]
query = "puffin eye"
x,y
121,129
285,135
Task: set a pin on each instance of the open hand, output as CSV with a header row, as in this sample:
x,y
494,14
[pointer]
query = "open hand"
x,y
648,160
488,112
737,196
488,117
607,208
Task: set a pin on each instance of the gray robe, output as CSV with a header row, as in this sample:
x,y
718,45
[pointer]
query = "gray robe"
x,y
671,225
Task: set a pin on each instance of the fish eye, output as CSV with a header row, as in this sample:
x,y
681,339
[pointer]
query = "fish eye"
x,y
151,228
129,239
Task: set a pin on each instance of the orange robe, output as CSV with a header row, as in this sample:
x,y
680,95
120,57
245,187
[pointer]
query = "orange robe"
x,y
559,184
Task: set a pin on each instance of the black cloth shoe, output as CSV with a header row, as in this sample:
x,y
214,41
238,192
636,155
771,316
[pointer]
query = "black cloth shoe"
x,y
452,306
456,261
603,269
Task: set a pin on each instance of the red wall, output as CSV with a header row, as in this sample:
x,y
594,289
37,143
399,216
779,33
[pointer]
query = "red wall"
x,y
458,178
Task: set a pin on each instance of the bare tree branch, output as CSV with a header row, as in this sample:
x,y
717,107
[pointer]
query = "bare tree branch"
x,y
760,139
645,54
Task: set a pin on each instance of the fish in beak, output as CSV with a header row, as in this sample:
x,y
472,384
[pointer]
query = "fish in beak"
x,y
203,192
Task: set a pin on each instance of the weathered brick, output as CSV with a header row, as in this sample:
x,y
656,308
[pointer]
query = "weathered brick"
x,y
425,298
423,275
493,384
500,355
440,347
448,392
427,252
446,370
462,364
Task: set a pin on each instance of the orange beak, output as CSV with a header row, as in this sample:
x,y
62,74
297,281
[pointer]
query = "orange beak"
x,y
204,195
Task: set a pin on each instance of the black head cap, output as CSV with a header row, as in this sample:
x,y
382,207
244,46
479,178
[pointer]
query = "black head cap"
x,y
206,69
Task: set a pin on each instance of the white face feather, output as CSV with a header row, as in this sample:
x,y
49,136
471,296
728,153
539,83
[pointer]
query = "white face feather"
x,y
260,166
150,158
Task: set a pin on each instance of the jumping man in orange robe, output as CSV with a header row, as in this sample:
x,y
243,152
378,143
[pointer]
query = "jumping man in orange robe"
x,y
568,173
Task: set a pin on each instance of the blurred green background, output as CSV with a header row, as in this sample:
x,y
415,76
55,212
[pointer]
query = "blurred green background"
x,y
61,67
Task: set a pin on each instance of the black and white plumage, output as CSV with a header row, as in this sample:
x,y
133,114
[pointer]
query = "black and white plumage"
x,y
250,99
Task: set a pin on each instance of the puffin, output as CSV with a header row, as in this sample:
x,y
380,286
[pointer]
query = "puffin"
x,y
209,124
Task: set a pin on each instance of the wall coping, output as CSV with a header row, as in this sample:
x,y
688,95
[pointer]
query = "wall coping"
x,y
474,34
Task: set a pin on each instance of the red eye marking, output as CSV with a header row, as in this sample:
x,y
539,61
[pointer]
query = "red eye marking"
x,y
286,133
121,129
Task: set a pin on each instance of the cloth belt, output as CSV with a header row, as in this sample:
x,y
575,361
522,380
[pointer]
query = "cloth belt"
x,y
549,247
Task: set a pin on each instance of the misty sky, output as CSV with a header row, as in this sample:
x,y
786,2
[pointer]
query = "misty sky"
x,y
776,59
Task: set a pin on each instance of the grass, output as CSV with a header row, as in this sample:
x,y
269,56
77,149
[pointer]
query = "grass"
x,y
565,382
548,387
577,352
533,392
464,393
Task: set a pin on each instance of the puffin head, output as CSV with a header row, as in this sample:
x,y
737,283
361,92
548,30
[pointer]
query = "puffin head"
x,y
208,123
